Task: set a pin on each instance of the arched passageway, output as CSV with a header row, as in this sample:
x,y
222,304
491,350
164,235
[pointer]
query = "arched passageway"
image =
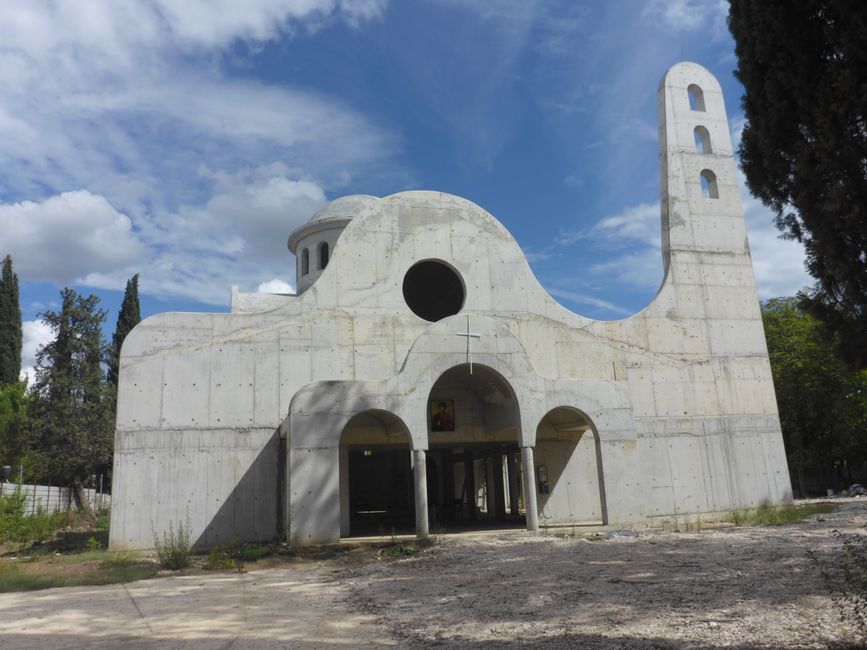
x,y
474,461
569,469
376,481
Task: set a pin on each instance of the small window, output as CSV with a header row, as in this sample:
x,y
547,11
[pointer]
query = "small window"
x,y
305,262
702,140
708,184
323,255
696,98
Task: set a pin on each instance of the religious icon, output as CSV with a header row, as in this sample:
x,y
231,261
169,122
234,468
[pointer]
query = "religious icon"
x,y
442,412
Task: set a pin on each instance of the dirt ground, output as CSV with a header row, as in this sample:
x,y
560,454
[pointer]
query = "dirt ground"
x,y
734,587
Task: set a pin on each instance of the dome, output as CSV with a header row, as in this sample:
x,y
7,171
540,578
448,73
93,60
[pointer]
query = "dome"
x,y
334,216
346,207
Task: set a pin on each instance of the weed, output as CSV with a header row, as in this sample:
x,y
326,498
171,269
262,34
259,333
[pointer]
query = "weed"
x,y
93,544
173,551
102,521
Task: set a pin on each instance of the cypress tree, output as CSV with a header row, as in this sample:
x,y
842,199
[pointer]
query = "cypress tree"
x,y
70,407
128,317
804,147
10,325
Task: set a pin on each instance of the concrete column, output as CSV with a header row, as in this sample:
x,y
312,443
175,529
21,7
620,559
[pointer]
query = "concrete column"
x,y
419,468
529,475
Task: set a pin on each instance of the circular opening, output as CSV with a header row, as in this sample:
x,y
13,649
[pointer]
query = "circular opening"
x,y
433,290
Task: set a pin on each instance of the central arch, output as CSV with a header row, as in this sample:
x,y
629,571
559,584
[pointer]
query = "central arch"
x,y
474,459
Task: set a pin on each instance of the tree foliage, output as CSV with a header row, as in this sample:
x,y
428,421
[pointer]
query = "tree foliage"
x,y
13,430
804,147
10,325
822,401
70,411
128,317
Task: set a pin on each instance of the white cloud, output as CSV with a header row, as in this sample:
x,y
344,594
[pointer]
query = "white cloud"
x,y
584,299
778,263
66,237
275,285
638,224
127,100
35,334
686,15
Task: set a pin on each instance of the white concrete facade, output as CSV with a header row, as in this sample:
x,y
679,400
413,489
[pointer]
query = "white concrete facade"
x,y
246,424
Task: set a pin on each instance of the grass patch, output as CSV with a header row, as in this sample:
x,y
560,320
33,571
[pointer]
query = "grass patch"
x,y
87,568
235,555
398,549
768,515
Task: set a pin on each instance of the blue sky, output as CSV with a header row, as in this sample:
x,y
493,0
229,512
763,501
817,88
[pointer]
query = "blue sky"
x,y
184,139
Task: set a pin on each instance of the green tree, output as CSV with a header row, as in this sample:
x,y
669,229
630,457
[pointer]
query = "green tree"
x,y
128,317
10,325
13,432
822,401
804,148
70,408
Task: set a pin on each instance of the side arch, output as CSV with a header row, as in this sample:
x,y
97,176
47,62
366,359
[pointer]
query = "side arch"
x,y
569,460
375,471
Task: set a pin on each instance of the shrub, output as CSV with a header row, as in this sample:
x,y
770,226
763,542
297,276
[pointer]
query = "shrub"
x,y
17,527
174,550
845,576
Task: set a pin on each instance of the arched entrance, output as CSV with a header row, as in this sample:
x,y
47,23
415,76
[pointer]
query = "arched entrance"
x,y
473,461
569,469
375,476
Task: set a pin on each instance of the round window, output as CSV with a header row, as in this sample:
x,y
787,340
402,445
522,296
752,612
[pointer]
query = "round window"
x,y
433,290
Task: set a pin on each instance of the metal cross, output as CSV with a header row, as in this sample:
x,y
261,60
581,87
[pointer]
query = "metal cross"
x,y
470,336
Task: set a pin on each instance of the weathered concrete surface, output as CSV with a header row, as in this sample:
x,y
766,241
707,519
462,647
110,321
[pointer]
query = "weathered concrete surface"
x,y
235,422
274,608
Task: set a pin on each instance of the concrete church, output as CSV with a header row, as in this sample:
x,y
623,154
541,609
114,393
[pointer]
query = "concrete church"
x,y
422,377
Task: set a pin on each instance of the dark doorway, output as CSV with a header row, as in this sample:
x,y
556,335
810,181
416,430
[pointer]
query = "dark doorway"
x,y
475,487
380,493
376,496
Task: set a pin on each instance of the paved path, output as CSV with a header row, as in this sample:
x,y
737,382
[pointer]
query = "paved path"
x,y
293,607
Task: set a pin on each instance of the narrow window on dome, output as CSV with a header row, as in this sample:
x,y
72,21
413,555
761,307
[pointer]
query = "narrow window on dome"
x,y
305,262
323,255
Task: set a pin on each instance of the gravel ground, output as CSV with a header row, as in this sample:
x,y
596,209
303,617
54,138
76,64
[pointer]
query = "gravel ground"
x,y
733,587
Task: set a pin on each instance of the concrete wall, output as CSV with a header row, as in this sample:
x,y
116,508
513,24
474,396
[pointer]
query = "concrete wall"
x,y
680,395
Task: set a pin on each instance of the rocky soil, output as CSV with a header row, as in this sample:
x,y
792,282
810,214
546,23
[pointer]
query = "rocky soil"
x,y
733,587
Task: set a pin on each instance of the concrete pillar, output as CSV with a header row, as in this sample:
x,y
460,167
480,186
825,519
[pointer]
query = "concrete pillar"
x,y
419,468
313,495
529,475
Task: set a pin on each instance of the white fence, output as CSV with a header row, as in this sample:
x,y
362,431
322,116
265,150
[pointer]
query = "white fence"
x,y
51,498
